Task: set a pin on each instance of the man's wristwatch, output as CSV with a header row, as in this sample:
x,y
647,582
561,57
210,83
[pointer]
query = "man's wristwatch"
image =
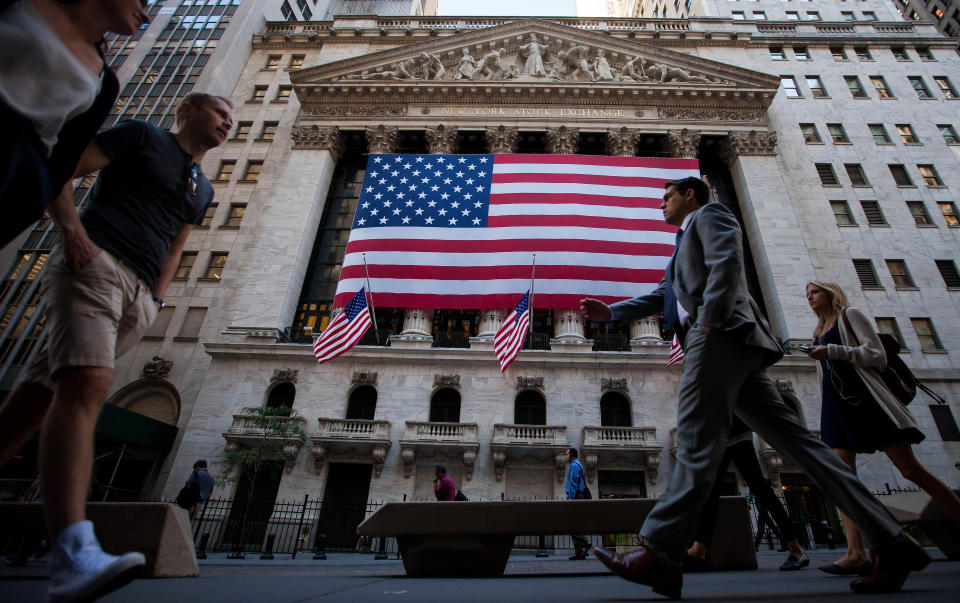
x,y
162,303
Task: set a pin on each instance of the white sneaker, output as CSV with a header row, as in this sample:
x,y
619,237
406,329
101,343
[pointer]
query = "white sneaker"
x,y
81,571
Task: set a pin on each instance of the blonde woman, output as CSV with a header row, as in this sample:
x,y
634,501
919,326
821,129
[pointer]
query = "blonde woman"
x,y
858,412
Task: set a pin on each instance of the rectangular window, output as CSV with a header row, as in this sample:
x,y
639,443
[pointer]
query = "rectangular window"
x,y
296,61
889,327
900,175
856,88
801,53
847,15
759,15
948,271
273,62
243,130
949,211
837,133
793,15
863,53
259,93
208,216
871,209
269,130
907,135
856,174
900,274
158,330
789,86
929,175
190,329
252,173
946,88
225,171
215,265
287,11
869,15
866,274
841,211
839,54
816,86
738,15
929,341
899,53
187,258
921,89
946,423
880,85
813,15
925,53
879,133
949,134
919,212
283,94
776,53
827,176
236,215
810,134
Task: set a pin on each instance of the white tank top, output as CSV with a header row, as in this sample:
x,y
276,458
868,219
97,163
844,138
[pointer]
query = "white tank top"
x,y
39,77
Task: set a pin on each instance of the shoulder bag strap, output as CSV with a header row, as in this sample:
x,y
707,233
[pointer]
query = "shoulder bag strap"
x,y
846,321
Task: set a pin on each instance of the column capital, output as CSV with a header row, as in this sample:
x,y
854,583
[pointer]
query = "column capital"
x,y
682,144
315,137
740,144
441,139
622,142
382,139
563,140
502,139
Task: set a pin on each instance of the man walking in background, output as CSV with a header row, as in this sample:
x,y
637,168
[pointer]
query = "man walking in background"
x,y
576,487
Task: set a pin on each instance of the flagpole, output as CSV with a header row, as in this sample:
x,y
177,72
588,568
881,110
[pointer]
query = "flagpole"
x,y
366,272
533,280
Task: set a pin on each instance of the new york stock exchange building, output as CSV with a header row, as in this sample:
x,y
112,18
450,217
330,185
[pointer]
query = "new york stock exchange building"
x,y
838,167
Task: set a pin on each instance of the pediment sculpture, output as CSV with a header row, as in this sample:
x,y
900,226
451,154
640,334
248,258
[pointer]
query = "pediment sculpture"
x,y
537,59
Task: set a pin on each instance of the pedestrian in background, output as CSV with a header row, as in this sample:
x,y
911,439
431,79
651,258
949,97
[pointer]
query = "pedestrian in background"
x,y
576,488
443,486
200,480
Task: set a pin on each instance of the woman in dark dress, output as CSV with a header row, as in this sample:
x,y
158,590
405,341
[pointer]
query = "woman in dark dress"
x,y
850,357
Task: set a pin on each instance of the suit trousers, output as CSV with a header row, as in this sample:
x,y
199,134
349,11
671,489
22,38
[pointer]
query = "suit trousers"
x,y
721,376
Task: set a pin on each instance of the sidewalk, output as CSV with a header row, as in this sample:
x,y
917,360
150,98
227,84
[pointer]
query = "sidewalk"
x,y
356,578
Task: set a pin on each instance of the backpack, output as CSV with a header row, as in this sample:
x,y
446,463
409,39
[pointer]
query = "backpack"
x,y
188,496
460,495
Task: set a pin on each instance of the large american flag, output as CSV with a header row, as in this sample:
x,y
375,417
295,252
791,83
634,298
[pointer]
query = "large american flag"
x,y
345,330
459,231
510,336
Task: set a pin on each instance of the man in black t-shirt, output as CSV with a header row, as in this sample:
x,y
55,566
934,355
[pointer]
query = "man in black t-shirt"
x,y
103,286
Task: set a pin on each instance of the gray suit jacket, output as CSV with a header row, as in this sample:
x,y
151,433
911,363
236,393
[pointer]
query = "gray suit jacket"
x,y
710,283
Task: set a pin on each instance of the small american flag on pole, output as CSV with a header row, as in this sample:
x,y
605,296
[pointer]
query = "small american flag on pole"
x,y
676,352
345,330
509,338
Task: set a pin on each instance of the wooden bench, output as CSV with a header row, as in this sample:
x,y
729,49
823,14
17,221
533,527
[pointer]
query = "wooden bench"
x,y
917,507
475,538
161,531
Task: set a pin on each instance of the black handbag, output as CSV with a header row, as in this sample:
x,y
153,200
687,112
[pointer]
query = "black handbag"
x,y
896,376
583,494
460,495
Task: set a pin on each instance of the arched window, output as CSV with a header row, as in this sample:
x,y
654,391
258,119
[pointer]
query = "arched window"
x,y
615,410
282,395
363,403
530,408
445,406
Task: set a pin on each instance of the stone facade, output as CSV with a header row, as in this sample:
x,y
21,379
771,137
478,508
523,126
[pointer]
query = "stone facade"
x,y
716,84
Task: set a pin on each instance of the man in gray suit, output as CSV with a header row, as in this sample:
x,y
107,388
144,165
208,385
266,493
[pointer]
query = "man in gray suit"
x,y
727,345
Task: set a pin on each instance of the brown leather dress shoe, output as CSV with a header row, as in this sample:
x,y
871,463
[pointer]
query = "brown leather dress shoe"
x,y
643,567
891,563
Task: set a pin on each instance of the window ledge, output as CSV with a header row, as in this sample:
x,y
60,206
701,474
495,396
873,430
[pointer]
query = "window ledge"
x,y
263,140
934,351
180,279
816,144
269,69
953,144
862,186
247,181
906,186
887,97
253,101
219,182
208,279
879,225
830,185
913,144
848,143
872,288
238,140
953,288
885,144
152,338
191,339
229,227
907,288
927,226
848,225
937,186
279,102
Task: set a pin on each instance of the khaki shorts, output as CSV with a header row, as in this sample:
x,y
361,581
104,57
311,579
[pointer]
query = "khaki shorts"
x,y
94,314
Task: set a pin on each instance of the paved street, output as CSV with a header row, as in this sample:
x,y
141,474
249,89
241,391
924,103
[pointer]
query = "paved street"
x,y
355,578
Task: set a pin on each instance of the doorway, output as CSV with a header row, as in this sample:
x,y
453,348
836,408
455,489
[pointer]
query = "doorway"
x,y
344,504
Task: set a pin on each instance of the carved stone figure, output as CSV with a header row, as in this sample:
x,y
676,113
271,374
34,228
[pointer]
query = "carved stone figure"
x,y
431,68
467,66
573,65
634,70
533,53
404,71
157,367
602,68
491,65
665,73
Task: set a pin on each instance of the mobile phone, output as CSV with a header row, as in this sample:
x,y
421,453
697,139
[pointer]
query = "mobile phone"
x,y
806,349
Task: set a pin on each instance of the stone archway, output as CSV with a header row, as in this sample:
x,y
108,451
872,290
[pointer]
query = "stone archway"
x,y
151,397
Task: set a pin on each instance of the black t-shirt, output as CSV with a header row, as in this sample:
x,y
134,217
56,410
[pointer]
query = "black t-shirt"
x,y
150,190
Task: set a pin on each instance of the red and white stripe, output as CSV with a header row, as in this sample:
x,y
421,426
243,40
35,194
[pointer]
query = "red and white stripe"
x,y
509,339
676,352
341,335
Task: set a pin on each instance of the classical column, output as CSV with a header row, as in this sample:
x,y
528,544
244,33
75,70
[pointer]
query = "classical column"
x,y
645,330
441,139
682,144
567,324
274,267
490,322
382,139
769,206
502,139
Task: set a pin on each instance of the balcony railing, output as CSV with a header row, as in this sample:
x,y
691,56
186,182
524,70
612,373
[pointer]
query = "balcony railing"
x,y
451,339
252,425
536,341
611,342
307,335
419,431
379,337
619,436
359,429
530,434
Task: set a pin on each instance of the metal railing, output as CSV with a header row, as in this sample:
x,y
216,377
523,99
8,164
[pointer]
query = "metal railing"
x,y
451,339
611,342
536,341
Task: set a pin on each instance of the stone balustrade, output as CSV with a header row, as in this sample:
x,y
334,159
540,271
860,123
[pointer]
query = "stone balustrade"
x,y
529,434
530,444
343,439
621,446
353,428
456,442
423,431
619,436
250,430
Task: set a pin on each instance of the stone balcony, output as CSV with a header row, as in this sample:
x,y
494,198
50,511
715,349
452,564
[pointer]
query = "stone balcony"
x,y
249,430
530,443
456,441
351,439
774,461
621,447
